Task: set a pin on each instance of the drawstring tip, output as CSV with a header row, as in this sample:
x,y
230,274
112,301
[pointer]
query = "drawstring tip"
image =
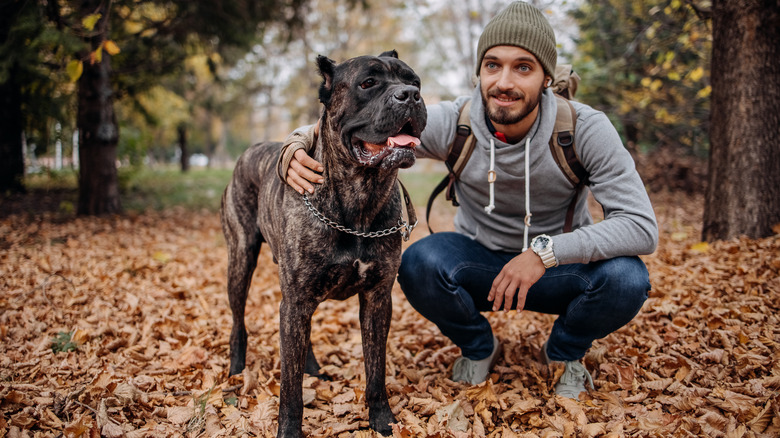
x,y
489,208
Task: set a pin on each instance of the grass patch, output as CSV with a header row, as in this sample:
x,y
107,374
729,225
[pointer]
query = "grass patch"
x,y
159,189
63,342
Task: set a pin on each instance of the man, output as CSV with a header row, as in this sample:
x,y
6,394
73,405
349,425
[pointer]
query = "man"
x,y
591,277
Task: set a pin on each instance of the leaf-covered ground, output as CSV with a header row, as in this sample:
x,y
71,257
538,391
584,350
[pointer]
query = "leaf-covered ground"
x,y
119,327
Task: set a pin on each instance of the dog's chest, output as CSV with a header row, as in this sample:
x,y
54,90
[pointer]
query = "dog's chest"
x,y
331,273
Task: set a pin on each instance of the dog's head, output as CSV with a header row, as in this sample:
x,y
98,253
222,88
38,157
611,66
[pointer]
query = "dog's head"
x,y
373,106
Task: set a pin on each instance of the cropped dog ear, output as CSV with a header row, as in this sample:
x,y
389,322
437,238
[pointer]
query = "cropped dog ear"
x,y
327,68
390,53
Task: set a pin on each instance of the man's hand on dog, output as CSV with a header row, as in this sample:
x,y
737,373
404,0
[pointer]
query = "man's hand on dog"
x,y
303,172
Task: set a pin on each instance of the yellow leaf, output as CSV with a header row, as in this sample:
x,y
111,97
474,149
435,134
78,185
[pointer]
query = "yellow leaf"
x,y
111,47
161,256
696,73
700,247
90,21
704,92
96,56
673,75
74,69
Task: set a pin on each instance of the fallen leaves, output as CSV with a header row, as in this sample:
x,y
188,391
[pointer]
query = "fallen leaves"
x,y
140,303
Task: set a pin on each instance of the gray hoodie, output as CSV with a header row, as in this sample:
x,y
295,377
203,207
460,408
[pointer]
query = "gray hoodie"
x,y
629,227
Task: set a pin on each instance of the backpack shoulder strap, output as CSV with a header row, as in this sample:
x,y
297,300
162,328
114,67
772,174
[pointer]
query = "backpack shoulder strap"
x,y
564,151
562,143
457,156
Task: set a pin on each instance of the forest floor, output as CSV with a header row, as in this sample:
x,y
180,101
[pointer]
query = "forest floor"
x,y
119,326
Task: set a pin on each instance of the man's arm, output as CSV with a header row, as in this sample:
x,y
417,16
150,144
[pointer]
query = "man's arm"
x,y
296,166
629,227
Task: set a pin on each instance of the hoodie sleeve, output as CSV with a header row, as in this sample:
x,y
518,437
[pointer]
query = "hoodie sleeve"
x,y
629,226
440,130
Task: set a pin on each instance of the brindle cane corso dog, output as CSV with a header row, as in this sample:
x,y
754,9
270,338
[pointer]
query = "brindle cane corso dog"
x,y
339,241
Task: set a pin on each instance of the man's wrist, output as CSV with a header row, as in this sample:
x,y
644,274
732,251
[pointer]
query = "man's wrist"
x,y
542,246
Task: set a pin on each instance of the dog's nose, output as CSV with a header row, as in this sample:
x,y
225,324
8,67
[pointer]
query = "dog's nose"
x,y
407,94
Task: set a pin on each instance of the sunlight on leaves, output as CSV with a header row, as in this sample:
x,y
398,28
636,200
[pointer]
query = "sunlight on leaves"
x,y
90,21
111,47
74,69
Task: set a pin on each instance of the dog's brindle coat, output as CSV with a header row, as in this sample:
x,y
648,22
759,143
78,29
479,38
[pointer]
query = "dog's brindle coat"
x,y
366,101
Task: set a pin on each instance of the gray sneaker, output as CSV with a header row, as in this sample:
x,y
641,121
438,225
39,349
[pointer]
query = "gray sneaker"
x,y
572,382
475,371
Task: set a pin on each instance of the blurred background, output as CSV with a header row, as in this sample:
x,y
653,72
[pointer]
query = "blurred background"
x,y
204,79
151,87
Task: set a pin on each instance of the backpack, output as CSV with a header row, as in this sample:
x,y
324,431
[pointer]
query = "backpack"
x,y
561,146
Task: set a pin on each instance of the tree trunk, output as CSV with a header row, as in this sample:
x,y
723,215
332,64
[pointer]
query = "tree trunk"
x,y
11,127
185,155
11,120
99,132
743,194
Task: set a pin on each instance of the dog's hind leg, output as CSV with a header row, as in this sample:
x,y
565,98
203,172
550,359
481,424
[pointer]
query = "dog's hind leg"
x,y
243,244
312,366
375,315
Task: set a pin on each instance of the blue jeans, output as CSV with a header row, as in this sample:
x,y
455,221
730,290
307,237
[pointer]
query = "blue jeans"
x,y
447,277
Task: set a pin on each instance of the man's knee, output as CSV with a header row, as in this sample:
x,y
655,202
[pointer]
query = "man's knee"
x,y
628,278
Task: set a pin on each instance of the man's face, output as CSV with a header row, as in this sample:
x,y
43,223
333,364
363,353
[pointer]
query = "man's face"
x,y
512,82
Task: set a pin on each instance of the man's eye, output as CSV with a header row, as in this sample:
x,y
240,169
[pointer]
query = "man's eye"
x,y
368,83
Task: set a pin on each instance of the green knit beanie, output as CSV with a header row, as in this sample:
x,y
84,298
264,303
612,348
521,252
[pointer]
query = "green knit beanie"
x,y
521,25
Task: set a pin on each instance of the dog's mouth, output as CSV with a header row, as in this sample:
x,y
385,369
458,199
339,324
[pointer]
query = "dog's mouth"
x,y
371,153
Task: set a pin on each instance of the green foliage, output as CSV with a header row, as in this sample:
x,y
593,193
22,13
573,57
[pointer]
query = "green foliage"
x,y
647,63
166,188
62,342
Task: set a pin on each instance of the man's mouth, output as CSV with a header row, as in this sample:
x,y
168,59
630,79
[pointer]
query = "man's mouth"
x,y
505,98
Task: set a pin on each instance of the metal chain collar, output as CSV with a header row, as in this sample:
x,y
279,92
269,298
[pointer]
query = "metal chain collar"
x,y
403,226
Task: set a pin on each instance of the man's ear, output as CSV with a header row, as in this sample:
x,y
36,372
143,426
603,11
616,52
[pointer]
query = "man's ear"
x,y
326,68
548,81
390,53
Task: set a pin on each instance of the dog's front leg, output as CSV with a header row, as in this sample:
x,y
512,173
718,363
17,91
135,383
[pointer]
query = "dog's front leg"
x,y
294,331
376,310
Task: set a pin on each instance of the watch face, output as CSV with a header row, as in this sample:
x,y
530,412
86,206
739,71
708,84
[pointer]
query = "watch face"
x,y
541,242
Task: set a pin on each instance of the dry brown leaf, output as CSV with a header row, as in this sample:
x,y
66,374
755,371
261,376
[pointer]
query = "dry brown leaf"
x,y
180,414
452,417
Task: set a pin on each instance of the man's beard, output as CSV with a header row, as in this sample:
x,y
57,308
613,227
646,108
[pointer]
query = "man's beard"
x,y
505,116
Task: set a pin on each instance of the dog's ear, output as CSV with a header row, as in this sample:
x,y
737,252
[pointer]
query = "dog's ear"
x,y
327,68
390,53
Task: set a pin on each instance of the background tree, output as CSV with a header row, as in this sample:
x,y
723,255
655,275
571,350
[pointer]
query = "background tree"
x,y
33,86
743,194
11,126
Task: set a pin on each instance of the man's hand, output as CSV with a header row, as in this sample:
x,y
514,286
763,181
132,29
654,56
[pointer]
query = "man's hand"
x,y
516,277
303,171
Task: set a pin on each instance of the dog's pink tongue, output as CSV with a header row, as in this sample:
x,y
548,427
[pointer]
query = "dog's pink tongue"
x,y
403,140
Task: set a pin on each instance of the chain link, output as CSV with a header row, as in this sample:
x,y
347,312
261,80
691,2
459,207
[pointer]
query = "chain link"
x,y
403,226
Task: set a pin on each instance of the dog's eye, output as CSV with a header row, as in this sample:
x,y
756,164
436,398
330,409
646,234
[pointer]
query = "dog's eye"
x,y
368,83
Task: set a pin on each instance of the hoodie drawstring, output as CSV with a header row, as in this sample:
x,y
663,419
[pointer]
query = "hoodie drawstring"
x,y
527,219
492,179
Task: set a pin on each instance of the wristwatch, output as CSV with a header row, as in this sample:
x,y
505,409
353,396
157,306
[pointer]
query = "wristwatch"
x,y
542,245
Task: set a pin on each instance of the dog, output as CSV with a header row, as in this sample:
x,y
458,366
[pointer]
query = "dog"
x,y
340,241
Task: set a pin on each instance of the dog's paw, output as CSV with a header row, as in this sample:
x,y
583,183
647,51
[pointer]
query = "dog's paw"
x,y
381,422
